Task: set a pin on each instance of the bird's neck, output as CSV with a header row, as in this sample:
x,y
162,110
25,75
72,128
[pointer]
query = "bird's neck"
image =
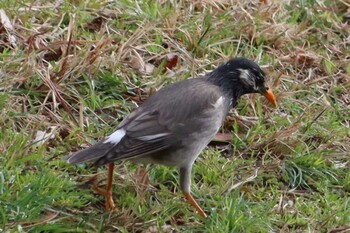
x,y
231,88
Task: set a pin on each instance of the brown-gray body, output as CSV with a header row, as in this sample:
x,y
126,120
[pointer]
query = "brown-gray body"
x,y
171,128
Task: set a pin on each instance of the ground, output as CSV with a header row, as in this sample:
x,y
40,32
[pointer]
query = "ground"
x,y
72,70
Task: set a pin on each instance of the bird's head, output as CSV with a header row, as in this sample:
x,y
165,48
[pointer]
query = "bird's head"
x,y
247,76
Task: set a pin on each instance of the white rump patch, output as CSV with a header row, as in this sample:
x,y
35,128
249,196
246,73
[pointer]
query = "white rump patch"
x,y
115,137
154,136
219,102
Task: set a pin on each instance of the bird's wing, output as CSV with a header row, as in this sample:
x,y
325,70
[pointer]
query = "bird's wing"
x,y
139,134
158,124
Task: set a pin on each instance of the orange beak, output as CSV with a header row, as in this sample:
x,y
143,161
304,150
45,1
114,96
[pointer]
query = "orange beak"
x,y
269,95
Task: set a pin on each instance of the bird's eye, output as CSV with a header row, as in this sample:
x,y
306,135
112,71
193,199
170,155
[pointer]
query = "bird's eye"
x,y
260,77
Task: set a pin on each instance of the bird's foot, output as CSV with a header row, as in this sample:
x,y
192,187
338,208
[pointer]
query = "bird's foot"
x,y
109,204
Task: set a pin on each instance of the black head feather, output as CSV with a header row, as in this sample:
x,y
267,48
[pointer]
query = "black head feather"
x,y
239,76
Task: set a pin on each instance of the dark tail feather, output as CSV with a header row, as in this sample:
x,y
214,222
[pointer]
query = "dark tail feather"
x,y
90,154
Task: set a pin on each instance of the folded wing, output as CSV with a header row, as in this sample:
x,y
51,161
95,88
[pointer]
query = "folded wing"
x,y
137,135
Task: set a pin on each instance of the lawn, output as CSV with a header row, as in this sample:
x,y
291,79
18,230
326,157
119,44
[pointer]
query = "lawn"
x,y
70,71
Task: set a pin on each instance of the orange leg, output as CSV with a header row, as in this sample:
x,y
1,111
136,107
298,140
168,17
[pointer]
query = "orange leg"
x,y
195,204
108,191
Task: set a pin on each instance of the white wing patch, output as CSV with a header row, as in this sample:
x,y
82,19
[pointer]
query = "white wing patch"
x,y
219,102
152,137
115,137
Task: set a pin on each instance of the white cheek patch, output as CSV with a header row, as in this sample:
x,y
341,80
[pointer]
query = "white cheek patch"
x,y
247,78
115,137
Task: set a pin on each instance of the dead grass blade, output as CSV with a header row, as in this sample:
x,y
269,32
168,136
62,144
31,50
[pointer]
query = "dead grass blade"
x,y
64,64
8,27
56,94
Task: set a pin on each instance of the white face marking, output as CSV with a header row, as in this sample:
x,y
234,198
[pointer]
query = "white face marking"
x,y
219,102
151,137
246,77
115,137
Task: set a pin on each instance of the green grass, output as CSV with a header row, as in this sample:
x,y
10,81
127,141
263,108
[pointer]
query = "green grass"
x,y
286,169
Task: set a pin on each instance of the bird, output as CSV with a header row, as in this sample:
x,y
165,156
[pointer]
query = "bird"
x,y
175,124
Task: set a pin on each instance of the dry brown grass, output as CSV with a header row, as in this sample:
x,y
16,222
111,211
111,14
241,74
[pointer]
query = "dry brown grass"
x,y
70,71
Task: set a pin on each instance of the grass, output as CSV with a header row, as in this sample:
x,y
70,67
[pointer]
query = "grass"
x,y
72,70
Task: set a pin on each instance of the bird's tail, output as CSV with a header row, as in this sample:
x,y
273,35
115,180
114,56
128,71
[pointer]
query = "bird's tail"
x,y
92,153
